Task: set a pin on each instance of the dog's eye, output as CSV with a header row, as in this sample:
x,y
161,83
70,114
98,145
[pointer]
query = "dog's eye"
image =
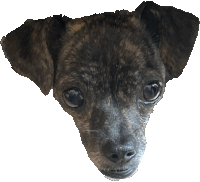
x,y
151,91
73,97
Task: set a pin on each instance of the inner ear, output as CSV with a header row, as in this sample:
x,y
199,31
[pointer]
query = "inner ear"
x,y
56,30
149,14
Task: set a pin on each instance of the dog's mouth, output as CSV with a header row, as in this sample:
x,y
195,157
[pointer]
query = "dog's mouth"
x,y
119,174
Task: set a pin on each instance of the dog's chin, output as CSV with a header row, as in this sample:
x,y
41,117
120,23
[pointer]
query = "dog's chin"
x,y
116,175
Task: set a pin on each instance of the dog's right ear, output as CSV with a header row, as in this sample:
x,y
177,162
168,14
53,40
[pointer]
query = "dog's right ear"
x,y
173,31
32,49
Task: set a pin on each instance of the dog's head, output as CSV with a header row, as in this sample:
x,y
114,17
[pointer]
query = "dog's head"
x,y
107,71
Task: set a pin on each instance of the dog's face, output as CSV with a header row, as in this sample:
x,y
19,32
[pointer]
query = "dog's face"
x,y
108,71
109,82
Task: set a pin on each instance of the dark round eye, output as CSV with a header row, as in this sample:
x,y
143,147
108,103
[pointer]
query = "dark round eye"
x,y
151,91
73,97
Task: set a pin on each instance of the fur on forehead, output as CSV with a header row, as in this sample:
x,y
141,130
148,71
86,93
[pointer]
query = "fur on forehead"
x,y
107,55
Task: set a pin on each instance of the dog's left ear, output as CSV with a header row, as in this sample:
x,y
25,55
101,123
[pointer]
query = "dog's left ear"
x,y
173,31
32,49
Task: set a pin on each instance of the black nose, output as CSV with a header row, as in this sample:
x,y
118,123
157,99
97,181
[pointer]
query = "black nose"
x,y
119,153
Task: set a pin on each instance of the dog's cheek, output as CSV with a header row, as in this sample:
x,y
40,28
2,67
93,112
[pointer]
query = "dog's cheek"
x,y
145,108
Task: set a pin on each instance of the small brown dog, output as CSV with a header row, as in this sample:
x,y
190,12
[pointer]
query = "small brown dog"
x,y
108,71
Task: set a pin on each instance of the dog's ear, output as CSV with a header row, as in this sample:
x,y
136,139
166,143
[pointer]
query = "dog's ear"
x,y
173,31
32,49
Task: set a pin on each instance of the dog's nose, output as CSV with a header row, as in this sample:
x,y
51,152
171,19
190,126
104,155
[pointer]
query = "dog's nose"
x,y
119,153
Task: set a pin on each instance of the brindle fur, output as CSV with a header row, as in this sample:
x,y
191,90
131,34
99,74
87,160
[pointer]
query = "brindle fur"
x,y
109,57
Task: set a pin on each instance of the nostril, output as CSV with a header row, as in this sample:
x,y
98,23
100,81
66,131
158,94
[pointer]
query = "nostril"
x,y
119,153
114,156
131,153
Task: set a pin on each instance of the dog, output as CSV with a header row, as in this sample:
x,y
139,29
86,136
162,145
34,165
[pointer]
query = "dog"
x,y
108,71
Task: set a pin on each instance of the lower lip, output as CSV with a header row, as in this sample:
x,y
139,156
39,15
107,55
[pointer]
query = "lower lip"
x,y
118,174
120,171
